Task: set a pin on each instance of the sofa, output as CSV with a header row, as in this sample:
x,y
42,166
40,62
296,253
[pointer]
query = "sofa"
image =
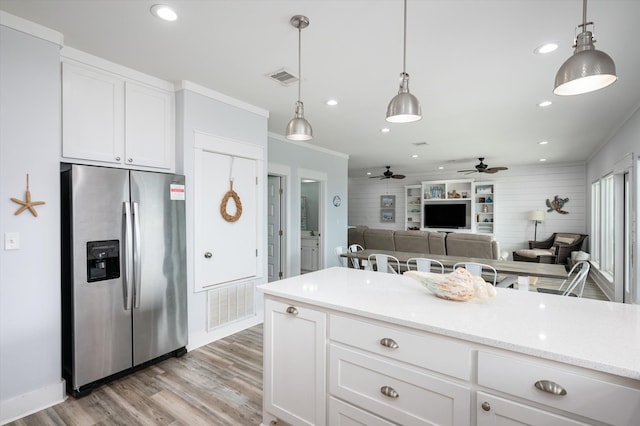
x,y
481,246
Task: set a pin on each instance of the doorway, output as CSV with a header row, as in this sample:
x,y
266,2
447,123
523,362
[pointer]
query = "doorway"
x,y
311,225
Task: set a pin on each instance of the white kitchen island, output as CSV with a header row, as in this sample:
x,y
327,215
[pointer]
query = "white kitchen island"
x,y
345,347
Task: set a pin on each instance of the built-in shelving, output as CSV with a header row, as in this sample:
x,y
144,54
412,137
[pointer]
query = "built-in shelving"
x,y
484,208
450,192
413,207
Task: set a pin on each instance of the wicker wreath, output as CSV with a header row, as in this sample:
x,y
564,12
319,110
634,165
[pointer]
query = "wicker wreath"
x,y
225,200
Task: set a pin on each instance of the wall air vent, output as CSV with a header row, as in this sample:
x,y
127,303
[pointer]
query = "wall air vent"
x,y
283,76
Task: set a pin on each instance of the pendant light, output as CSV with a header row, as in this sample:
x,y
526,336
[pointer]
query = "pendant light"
x,y
404,107
588,69
298,128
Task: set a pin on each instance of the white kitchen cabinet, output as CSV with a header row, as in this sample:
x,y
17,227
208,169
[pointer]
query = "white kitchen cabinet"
x,y
294,364
309,254
107,118
559,387
495,411
395,355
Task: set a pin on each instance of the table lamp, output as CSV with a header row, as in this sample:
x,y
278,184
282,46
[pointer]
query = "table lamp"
x,y
538,217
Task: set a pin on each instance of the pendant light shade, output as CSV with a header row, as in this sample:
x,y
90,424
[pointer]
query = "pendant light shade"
x,y
299,128
588,69
404,107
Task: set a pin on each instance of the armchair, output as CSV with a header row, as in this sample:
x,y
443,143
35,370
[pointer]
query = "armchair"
x,y
555,249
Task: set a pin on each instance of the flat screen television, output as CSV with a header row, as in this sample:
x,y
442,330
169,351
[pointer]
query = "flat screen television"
x,y
445,215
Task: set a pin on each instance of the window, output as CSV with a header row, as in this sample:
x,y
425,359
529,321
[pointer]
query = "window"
x,y
602,226
595,222
607,230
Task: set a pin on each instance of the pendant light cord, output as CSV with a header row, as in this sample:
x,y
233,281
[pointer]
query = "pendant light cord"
x,y
404,49
299,58
584,15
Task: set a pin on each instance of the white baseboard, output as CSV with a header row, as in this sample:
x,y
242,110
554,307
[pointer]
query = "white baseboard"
x,y
204,338
32,402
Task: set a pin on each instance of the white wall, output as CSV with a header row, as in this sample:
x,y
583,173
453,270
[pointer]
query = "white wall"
x,y
295,160
203,110
517,191
30,336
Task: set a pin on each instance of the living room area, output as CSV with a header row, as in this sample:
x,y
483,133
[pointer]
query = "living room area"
x,y
516,193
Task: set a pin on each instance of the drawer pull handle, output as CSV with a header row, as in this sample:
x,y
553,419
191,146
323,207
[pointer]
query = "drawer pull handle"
x,y
550,387
486,406
389,343
389,391
291,310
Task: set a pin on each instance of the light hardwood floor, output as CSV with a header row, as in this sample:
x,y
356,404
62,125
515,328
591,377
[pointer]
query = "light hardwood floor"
x,y
217,384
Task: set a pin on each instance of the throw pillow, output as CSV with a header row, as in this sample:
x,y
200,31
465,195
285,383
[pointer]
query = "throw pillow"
x,y
564,240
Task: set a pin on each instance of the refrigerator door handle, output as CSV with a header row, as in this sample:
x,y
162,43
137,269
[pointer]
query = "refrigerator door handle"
x,y
128,258
136,256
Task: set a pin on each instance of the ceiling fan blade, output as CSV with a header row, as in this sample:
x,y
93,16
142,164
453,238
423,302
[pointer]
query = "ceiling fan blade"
x,y
376,177
398,176
495,169
469,171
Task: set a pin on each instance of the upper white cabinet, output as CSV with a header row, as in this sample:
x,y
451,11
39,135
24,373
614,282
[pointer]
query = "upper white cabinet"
x,y
108,118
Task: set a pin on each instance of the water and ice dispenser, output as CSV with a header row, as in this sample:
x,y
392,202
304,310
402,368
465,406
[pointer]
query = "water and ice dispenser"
x,y
103,260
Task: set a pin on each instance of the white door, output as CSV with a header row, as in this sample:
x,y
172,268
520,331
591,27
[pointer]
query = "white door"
x,y
225,251
275,232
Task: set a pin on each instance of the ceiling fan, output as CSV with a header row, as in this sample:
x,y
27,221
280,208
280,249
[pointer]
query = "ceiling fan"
x,y
483,168
388,174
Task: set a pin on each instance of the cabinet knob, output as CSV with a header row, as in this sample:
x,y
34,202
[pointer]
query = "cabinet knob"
x,y
389,391
550,387
486,406
117,158
208,255
129,160
291,310
389,343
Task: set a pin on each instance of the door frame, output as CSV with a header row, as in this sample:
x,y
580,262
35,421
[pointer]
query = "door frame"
x,y
284,172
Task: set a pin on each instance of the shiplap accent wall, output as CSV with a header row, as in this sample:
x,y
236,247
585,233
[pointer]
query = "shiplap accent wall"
x,y
517,192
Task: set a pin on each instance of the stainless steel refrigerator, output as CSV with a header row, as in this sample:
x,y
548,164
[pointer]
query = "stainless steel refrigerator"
x,y
124,297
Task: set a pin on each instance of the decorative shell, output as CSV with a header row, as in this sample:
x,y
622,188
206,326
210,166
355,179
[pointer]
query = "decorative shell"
x,y
459,285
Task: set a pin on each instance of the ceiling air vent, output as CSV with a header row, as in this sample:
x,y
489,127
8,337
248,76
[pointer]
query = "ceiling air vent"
x,y
283,76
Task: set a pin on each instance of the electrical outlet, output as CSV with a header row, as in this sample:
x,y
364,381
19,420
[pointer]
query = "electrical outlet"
x,y
11,240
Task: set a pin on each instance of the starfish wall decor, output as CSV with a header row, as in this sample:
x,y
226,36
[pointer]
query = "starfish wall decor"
x,y
27,203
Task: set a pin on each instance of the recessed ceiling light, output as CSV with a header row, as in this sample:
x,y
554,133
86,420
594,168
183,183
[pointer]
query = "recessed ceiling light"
x,y
385,130
368,173
441,168
543,142
545,104
332,102
414,156
543,159
546,48
164,12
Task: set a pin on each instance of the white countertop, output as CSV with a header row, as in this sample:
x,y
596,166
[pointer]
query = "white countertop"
x,y
594,334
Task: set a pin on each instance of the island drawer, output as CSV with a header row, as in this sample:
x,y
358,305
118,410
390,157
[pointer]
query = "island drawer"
x,y
586,396
405,395
423,350
341,413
